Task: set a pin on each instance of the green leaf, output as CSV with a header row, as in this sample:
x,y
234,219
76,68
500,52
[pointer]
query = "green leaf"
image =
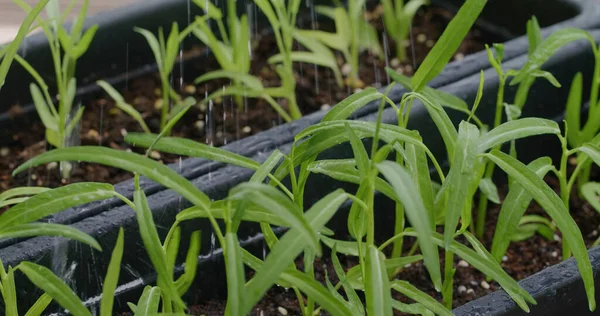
x,y
41,107
191,263
516,129
22,191
411,309
148,302
124,106
52,285
377,284
84,43
171,49
591,193
251,82
38,308
490,190
48,229
516,202
53,201
458,180
407,192
235,275
154,46
351,104
446,46
190,148
554,206
252,213
271,199
573,111
548,48
349,248
417,295
416,160
546,75
24,29
360,153
112,277
288,248
127,161
354,275
304,283
355,303
593,151
534,34
153,246
209,8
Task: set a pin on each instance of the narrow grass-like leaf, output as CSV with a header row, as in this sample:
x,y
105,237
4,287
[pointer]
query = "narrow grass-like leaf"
x,y
355,278
413,205
349,248
516,129
42,109
38,308
127,161
112,277
288,248
516,202
273,200
353,298
548,48
554,206
417,295
446,46
22,191
377,284
121,104
53,201
252,213
10,53
154,46
416,160
191,263
593,151
304,283
360,153
349,105
457,183
48,229
489,189
573,111
148,302
591,192
153,245
44,279
234,267
188,147
411,309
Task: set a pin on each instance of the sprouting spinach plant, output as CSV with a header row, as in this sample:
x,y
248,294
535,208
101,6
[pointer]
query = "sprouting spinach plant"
x,y
66,47
397,17
165,54
353,35
580,132
513,111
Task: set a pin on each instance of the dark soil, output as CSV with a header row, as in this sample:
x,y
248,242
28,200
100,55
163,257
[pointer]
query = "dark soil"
x,y
103,124
522,259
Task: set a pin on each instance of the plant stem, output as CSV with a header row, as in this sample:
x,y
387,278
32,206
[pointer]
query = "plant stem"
x,y
564,190
165,101
489,171
447,291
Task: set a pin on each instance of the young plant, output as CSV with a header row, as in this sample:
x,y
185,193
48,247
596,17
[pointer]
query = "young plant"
x,y
397,17
66,48
525,77
165,55
353,35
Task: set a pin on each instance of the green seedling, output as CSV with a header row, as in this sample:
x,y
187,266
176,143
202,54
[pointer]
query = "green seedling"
x,y
66,48
165,53
353,35
398,16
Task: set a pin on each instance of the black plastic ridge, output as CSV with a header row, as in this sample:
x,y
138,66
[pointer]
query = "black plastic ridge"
x,y
90,266
123,19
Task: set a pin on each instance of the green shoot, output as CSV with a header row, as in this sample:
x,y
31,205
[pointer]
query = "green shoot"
x,y
398,17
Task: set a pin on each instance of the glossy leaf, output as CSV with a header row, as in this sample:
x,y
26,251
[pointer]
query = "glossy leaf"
x,y
112,277
148,302
234,267
40,305
351,104
406,191
53,201
417,295
548,48
446,46
591,193
490,190
377,284
516,202
516,129
553,205
48,229
121,104
573,111
289,246
22,191
127,161
44,279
